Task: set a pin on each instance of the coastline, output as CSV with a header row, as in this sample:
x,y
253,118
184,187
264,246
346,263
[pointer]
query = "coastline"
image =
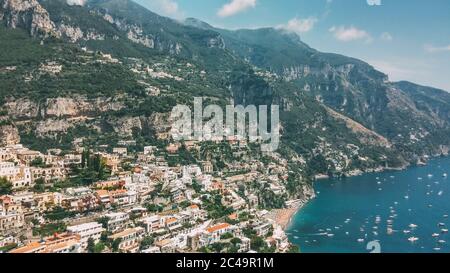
x,y
283,217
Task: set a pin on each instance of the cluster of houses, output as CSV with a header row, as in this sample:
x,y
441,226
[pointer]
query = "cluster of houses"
x,y
181,224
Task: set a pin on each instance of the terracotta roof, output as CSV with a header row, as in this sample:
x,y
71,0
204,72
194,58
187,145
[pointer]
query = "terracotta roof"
x,y
171,220
194,206
28,248
217,227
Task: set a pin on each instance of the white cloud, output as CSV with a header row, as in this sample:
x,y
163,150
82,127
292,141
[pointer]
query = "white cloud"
x,y
299,26
386,36
374,2
348,34
435,49
76,2
164,7
235,6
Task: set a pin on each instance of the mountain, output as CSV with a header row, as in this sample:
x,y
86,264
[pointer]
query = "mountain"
x,y
400,112
112,70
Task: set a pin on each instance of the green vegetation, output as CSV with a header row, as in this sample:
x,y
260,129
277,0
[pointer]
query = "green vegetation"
x,y
58,214
5,186
49,229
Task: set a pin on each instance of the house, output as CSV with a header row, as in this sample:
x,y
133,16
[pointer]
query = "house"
x,y
63,243
49,174
153,223
212,234
172,148
120,151
207,167
172,223
58,243
92,230
117,221
19,176
11,215
129,239
166,245
263,229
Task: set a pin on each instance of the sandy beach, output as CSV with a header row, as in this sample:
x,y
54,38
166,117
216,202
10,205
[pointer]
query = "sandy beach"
x,y
283,216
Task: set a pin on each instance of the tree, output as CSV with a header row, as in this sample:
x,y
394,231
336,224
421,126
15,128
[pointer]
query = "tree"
x,y
37,162
99,247
147,242
91,245
257,243
39,185
115,245
5,186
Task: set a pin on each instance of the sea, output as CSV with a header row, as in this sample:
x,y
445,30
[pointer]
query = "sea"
x,y
391,212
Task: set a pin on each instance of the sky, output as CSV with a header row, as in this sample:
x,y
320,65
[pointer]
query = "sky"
x,y
406,39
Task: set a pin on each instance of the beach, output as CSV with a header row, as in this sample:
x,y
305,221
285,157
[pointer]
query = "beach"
x,y
284,216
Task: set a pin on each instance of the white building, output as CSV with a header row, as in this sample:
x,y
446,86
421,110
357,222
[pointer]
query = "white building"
x,y
117,221
19,176
85,231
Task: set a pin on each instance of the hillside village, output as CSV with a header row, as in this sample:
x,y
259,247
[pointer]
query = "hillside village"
x,y
95,201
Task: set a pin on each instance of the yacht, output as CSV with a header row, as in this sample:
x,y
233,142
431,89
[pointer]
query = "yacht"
x,y
413,239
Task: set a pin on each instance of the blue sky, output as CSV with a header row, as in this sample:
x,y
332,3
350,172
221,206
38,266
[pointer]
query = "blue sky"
x,y
407,39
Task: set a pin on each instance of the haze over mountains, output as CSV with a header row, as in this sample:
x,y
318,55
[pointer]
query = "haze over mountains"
x,y
111,70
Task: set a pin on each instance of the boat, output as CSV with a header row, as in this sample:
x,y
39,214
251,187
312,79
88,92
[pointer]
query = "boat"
x,y
435,235
330,235
444,175
440,193
441,241
360,240
441,225
407,231
436,249
406,197
430,175
413,239
444,230
413,226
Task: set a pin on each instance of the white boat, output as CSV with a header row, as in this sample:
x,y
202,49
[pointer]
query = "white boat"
x,y
440,193
360,240
441,241
430,175
441,225
413,226
444,230
435,235
444,175
413,239
406,197
407,231
330,235
436,249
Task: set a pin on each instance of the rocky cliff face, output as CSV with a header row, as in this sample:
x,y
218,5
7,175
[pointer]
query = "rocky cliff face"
x,y
28,14
9,135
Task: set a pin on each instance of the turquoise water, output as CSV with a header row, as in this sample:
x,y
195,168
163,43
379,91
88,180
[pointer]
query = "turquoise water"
x,y
349,213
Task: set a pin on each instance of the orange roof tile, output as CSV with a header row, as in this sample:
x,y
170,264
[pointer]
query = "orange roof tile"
x,y
217,227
